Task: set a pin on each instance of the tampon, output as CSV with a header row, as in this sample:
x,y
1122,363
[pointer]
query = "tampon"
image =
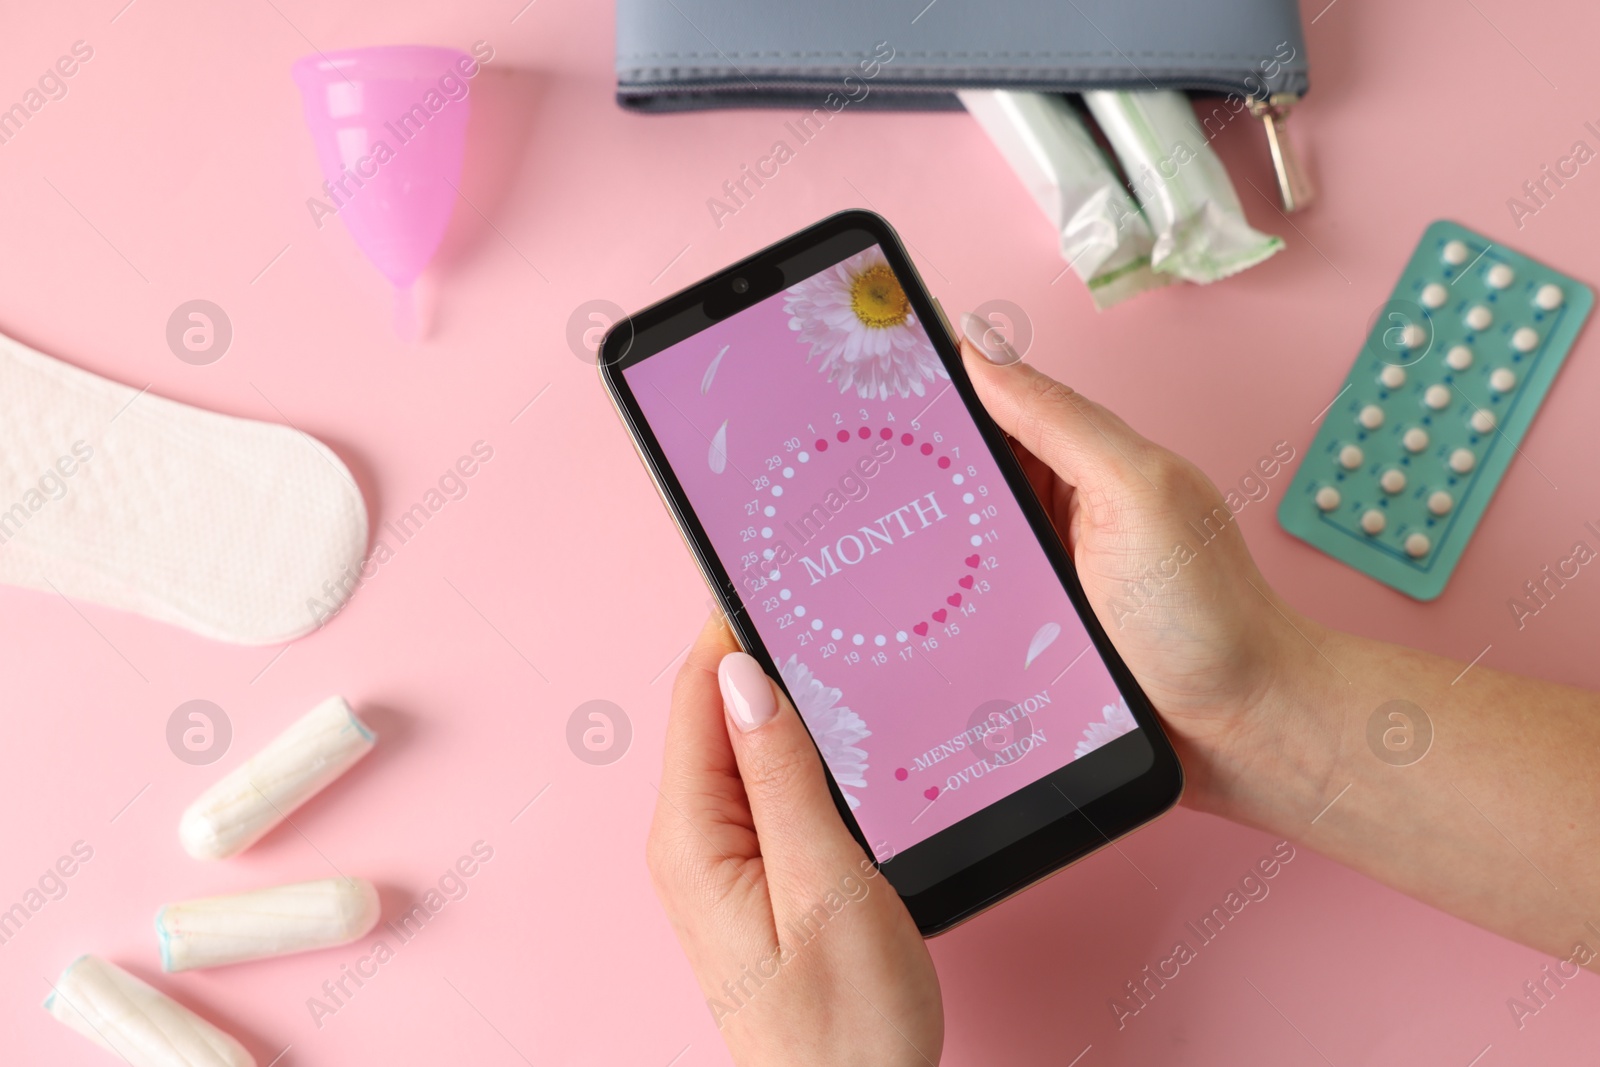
x,y
265,922
145,1027
261,792
1200,230
1103,236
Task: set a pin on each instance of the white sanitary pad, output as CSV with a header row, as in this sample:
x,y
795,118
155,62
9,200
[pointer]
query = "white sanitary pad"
x,y
221,525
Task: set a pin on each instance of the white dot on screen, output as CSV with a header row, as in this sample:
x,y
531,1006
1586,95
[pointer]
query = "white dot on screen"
x,y
769,511
799,611
957,479
816,624
967,498
900,635
777,490
766,531
774,574
804,457
976,540
880,640
974,518
859,639
788,472
767,553
837,634
785,594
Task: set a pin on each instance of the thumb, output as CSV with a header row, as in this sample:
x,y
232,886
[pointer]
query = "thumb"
x,y
804,844
1086,445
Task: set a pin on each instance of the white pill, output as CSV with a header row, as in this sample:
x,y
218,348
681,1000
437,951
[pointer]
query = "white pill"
x,y
1327,498
1372,521
1455,253
254,925
1548,297
1393,480
1526,339
1350,457
1459,357
1417,545
1462,460
142,1025
1499,276
1371,417
1392,377
1436,397
1413,335
1440,502
1480,317
265,789
1434,296
1502,380
1482,420
1415,439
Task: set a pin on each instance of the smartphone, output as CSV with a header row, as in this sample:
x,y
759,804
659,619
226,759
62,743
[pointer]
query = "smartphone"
x,y
877,548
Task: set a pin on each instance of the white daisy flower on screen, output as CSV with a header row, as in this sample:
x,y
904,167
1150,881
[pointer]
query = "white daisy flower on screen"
x,y
861,329
1116,720
835,727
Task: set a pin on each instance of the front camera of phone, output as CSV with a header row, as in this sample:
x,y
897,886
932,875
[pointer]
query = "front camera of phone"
x,y
741,285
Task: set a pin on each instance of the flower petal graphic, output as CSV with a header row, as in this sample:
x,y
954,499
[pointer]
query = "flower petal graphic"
x,y
711,371
718,457
1042,640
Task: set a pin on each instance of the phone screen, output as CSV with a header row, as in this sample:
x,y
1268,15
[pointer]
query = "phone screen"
x,y
923,633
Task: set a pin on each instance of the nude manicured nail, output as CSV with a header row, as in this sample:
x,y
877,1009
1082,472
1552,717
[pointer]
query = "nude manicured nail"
x,y
988,340
746,691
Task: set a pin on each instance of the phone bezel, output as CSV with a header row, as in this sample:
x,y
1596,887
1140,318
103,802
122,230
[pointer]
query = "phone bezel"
x,y
1080,829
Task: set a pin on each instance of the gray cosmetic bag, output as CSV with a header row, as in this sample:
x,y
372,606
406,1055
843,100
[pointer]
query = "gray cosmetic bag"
x,y
686,55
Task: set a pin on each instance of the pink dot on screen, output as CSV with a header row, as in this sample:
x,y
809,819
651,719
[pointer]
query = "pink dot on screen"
x,y
927,449
822,445
944,462
844,435
905,439
865,432
900,774
886,433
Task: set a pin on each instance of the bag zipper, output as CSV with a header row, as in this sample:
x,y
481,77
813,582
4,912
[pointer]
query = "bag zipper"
x,y
1294,184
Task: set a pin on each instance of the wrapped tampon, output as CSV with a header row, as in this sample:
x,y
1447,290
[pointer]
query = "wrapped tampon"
x,y
265,922
1200,230
142,1025
1102,235
261,792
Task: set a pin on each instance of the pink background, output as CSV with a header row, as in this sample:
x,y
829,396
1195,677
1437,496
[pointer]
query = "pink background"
x,y
767,391
181,150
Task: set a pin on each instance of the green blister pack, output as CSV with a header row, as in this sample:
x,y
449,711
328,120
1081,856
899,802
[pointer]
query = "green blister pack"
x,y
1434,410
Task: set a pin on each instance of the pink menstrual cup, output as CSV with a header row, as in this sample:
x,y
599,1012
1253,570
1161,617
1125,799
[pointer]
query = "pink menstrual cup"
x,y
390,129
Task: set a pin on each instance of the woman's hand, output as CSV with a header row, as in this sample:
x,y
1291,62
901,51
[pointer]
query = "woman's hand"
x,y
1271,713
1164,566
804,952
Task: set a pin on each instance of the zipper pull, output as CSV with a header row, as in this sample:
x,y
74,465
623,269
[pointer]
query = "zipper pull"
x,y
1294,184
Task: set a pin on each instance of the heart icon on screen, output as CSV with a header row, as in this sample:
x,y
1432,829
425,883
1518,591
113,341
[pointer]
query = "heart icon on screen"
x,y
966,583
940,615
921,628
954,600
932,792
972,560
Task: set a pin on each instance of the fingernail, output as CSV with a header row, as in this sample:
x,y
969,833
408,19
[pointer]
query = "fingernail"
x,y
987,339
746,691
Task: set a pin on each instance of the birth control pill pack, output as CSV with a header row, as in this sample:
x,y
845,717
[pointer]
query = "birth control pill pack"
x,y
1454,368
